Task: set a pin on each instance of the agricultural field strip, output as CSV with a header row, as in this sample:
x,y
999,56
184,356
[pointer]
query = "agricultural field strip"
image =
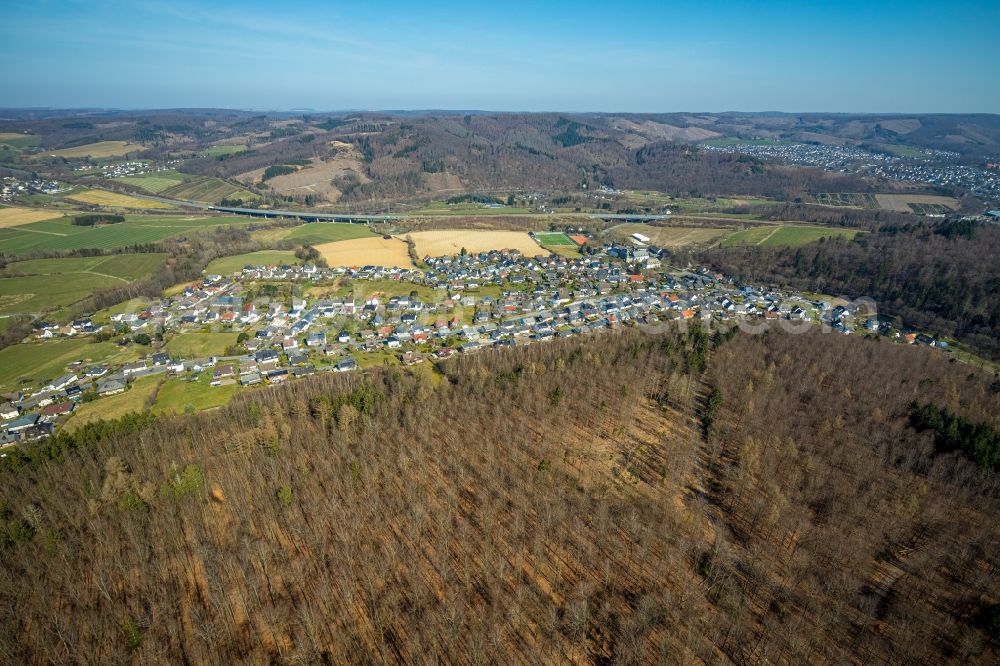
x,y
38,231
99,149
13,217
136,229
38,267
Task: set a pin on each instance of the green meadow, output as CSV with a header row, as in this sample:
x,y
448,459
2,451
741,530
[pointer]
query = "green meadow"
x,y
37,362
39,285
200,344
222,149
230,265
62,234
316,233
553,239
785,236
180,395
155,182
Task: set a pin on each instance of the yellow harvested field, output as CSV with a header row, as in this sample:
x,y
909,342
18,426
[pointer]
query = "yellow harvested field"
x,y
99,149
12,217
440,242
114,200
366,251
898,202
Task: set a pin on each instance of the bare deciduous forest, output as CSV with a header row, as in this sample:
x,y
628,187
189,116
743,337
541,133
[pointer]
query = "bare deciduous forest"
x,y
626,498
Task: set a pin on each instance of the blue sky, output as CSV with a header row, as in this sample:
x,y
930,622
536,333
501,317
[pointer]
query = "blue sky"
x,y
570,56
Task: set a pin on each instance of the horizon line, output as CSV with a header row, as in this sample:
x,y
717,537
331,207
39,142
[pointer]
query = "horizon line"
x,y
429,110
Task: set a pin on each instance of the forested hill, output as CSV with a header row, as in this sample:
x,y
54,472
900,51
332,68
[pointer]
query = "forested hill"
x,y
628,497
403,158
940,277
386,157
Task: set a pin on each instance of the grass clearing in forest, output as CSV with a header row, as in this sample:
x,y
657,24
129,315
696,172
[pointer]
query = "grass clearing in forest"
x,y
223,149
18,140
785,236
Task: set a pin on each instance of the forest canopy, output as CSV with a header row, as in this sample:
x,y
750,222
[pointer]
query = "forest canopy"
x,y
628,497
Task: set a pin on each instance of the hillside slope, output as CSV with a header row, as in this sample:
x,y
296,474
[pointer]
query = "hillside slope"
x,y
588,500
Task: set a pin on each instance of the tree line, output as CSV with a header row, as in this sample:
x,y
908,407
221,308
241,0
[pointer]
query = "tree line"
x,y
940,277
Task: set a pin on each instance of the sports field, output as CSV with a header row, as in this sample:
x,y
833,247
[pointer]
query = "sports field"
x,y
61,234
114,200
558,243
40,285
230,265
15,217
375,251
99,149
785,236
440,242
558,238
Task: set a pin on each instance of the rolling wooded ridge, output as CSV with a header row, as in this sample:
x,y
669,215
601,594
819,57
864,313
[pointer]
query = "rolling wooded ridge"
x,y
941,277
626,498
